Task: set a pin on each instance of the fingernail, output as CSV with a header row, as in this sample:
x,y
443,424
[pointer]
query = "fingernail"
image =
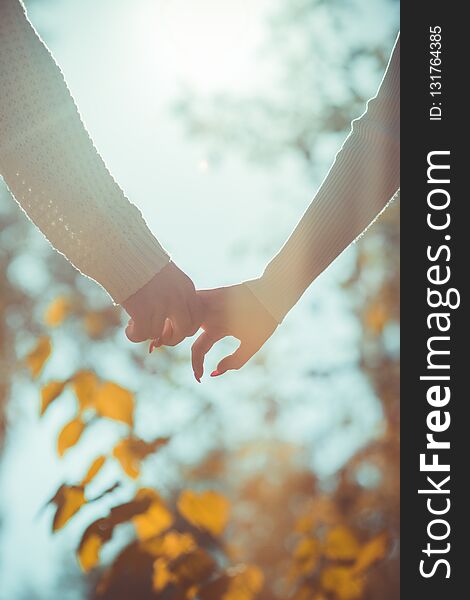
x,y
153,345
198,379
215,373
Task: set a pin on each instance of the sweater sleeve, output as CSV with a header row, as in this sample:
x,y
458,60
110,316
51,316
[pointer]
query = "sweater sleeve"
x,y
53,170
362,180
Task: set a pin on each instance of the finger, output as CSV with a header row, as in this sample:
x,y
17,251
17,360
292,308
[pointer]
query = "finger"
x,y
236,360
166,334
199,350
181,323
158,324
138,331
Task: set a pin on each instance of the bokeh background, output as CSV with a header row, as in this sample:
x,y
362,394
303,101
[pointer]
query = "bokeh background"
x,y
219,119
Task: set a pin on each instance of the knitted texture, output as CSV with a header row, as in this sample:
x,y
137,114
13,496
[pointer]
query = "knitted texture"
x,y
362,180
55,173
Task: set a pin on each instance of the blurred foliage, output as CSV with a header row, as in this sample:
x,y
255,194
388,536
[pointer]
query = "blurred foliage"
x,y
228,530
178,548
321,62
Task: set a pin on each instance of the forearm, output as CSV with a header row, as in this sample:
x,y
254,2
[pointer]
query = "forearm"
x,y
362,180
50,165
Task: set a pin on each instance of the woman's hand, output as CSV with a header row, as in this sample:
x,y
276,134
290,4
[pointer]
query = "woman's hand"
x,y
231,311
168,298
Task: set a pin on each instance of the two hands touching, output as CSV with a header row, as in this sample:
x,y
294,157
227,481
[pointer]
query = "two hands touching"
x,y
55,154
168,309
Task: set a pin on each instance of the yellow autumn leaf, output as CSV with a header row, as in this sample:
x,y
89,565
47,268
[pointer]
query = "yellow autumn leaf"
x,y
85,385
129,462
162,576
38,356
131,451
175,544
342,582
341,544
94,537
371,552
57,311
171,545
94,469
304,523
306,593
306,555
376,317
155,519
69,500
191,593
70,435
50,392
206,510
115,402
244,584
89,552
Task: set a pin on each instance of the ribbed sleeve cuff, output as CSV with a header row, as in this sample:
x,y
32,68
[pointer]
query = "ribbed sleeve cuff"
x,y
128,267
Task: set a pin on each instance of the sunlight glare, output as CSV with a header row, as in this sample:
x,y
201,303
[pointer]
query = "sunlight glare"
x,y
206,44
203,165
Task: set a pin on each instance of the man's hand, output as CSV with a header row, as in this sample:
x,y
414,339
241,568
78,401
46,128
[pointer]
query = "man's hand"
x,y
231,311
169,297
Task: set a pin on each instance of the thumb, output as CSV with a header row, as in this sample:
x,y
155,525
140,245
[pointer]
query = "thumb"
x,y
236,360
135,332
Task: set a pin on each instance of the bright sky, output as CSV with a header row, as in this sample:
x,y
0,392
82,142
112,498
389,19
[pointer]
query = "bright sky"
x,y
124,63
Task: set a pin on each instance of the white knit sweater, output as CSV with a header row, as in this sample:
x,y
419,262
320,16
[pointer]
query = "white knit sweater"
x,y
363,179
51,167
57,176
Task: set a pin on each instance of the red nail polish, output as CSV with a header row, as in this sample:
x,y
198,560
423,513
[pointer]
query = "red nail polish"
x,y
198,379
153,345
215,373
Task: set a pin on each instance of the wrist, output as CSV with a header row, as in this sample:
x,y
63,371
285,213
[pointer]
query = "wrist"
x,y
265,293
277,291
